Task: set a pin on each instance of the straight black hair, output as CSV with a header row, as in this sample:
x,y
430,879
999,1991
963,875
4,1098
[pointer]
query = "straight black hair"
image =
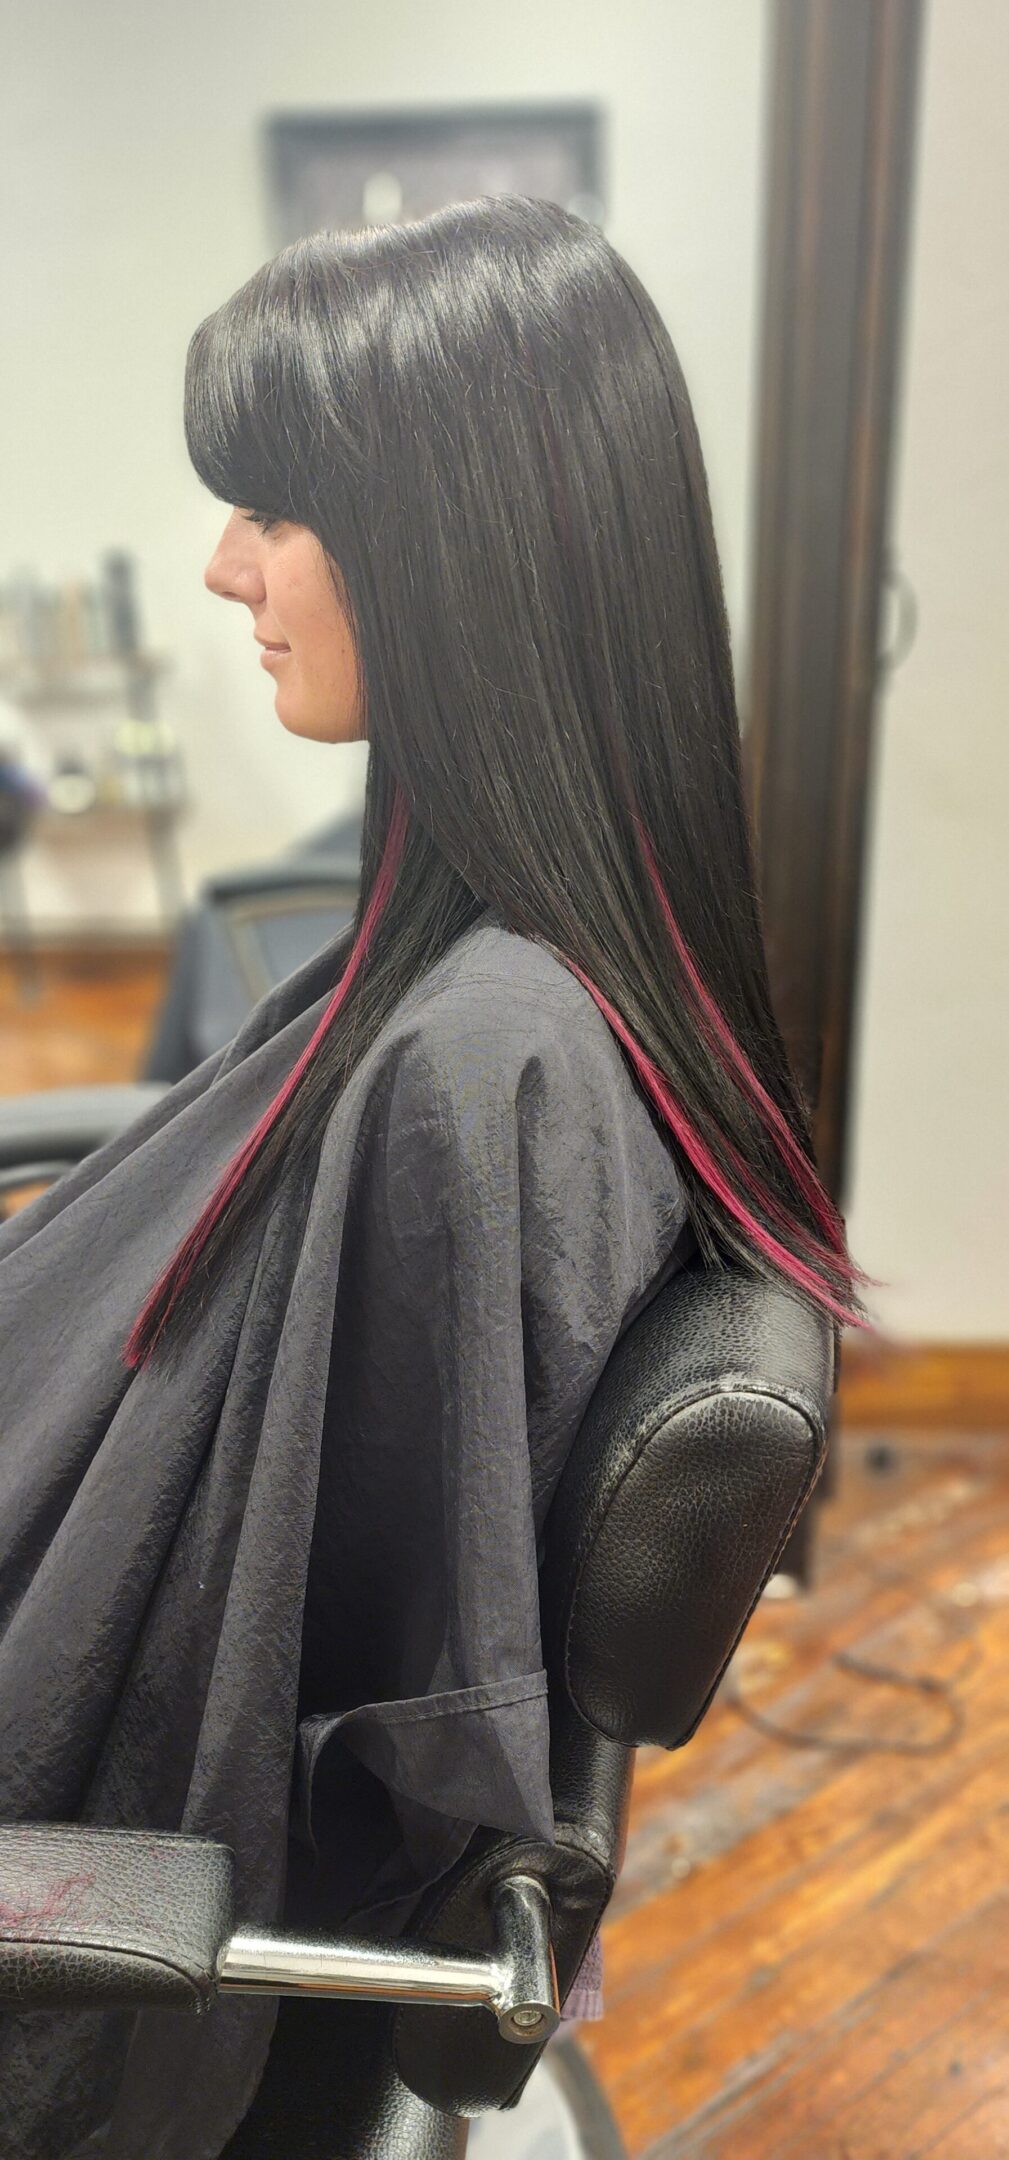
x,y
482,419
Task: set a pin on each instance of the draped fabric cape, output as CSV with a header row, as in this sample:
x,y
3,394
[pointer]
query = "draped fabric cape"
x,y
353,1456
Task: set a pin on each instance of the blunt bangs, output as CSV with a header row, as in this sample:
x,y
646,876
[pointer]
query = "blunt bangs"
x,y
237,362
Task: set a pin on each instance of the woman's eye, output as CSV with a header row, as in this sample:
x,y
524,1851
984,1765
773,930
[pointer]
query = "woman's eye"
x,y
259,517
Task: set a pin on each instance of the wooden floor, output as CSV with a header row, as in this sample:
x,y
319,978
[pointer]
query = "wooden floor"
x,y
807,1957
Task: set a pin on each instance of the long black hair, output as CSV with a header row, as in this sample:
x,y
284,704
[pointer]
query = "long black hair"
x,y
482,419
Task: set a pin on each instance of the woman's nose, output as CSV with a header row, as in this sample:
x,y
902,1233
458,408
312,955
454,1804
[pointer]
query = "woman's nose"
x,y
232,571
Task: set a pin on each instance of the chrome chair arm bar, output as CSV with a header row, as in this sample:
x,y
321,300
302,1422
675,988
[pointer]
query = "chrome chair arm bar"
x,y
518,1982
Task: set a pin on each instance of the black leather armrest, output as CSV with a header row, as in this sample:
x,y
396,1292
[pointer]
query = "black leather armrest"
x,y
120,1918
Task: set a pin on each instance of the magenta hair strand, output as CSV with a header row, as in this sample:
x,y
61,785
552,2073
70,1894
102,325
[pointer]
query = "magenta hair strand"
x,y
725,1041
698,1152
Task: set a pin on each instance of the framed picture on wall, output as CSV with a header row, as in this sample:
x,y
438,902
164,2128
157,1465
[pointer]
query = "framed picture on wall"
x,y
351,169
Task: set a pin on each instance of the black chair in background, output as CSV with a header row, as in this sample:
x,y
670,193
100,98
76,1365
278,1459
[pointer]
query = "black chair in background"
x,y
248,930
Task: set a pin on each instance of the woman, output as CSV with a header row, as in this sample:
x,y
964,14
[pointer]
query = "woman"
x,y
369,1261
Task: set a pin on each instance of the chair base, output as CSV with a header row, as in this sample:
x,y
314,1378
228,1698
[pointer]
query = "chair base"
x,y
562,2115
330,2092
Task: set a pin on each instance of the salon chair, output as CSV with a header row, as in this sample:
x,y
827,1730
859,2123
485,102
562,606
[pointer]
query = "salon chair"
x,y
247,930
699,1450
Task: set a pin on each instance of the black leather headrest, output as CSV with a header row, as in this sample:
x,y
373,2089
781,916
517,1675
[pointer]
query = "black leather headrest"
x,y
700,1447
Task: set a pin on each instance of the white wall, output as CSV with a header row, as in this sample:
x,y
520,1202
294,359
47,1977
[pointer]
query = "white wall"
x,y
132,204
930,1193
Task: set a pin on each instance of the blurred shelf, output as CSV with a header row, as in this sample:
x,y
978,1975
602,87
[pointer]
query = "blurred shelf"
x,y
50,822
91,681
136,785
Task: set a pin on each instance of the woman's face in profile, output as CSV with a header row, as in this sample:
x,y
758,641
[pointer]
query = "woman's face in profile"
x,y
280,572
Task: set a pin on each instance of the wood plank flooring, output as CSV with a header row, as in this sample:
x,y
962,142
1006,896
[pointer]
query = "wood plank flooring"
x,y
807,1957
807,1954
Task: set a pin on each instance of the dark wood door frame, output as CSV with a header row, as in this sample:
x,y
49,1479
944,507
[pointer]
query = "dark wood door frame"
x,y
841,126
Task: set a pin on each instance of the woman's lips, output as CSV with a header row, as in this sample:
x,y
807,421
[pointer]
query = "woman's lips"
x,y
272,653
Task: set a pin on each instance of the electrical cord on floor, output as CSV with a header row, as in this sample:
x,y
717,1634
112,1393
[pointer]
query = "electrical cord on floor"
x,y
920,1683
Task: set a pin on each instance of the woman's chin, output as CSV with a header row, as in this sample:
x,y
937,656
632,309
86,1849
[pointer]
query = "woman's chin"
x,y
292,714
292,722
313,726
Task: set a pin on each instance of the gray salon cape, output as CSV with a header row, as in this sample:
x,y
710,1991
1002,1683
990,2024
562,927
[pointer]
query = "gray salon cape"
x,y
282,1590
